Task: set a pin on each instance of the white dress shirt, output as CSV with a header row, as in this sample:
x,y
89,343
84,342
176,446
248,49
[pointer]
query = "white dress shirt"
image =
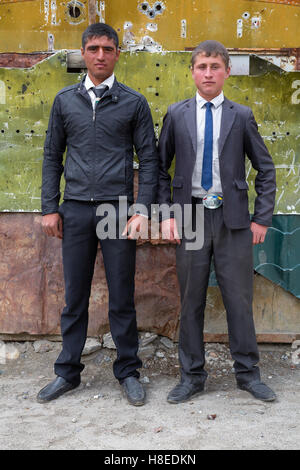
x,y
89,85
197,190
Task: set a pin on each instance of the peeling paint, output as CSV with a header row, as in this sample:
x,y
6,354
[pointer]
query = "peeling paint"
x,y
239,28
50,42
2,92
128,36
255,22
100,10
295,98
180,25
183,29
29,94
152,27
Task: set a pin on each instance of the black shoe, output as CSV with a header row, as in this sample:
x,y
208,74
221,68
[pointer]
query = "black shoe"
x,y
184,391
259,390
133,391
55,389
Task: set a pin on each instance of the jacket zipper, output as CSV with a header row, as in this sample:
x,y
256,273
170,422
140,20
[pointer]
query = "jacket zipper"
x,y
93,174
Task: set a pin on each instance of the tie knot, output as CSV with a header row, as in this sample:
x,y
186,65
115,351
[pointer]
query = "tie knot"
x,y
99,92
208,104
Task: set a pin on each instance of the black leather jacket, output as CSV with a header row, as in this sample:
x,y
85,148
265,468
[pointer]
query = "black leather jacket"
x,y
99,159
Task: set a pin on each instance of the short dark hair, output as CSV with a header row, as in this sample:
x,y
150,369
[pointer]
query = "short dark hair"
x,y
99,29
211,48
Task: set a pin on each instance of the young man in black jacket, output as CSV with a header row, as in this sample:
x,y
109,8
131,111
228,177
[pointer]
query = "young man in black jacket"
x,y
99,121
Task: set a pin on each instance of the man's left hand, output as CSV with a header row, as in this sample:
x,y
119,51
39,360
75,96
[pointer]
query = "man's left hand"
x,y
259,233
136,227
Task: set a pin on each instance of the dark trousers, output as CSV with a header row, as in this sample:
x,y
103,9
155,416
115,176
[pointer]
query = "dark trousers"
x,y
79,247
232,254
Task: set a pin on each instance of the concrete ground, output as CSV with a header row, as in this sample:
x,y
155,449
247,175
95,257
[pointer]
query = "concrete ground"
x,y
97,416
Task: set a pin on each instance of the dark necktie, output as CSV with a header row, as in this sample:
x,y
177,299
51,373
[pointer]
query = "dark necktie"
x,y
99,91
206,181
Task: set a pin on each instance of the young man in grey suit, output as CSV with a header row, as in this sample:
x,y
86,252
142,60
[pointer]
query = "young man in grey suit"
x,y
210,136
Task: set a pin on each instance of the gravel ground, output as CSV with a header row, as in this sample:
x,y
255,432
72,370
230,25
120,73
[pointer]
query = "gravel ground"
x,y
97,416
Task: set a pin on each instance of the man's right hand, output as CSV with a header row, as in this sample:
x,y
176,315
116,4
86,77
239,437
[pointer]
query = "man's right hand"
x,y
52,225
169,230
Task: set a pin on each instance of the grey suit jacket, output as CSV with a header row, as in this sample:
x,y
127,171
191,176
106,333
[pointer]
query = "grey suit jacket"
x,y
238,137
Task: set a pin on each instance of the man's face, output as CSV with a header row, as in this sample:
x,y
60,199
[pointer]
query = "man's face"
x,y
209,74
100,55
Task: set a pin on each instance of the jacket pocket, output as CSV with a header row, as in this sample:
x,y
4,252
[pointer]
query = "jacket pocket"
x,y
241,184
177,182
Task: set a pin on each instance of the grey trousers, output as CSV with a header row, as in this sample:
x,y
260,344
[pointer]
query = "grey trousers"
x,y
232,254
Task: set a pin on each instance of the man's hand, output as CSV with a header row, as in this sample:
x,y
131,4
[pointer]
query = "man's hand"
x,y
136,227
259,233
52,225
169,230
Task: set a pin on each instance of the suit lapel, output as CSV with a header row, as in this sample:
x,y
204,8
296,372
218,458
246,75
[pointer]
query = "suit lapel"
x,y
190,117
228,116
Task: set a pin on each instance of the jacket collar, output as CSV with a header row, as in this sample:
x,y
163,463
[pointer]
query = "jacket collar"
x,y
114,91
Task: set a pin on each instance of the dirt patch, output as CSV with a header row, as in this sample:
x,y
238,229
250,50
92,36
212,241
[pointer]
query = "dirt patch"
x,y
97,416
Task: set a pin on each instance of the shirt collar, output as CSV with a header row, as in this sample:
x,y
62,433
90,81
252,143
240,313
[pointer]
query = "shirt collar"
x,y
108,82
217,101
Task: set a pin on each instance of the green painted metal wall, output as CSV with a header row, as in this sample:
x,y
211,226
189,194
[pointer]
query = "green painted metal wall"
x,y
26,97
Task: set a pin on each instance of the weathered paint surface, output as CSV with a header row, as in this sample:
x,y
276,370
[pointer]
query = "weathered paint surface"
x,y
26,97
25,101
32,290
153,25
279,257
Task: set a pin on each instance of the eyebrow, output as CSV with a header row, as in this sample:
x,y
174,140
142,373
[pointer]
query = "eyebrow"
x,y
213,63
96,46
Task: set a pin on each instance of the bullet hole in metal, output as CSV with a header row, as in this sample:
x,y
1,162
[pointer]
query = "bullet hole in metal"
x,y
74,12
151,12
246,15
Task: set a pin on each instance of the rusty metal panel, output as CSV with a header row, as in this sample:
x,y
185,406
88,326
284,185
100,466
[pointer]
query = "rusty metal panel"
x,y
150,25
32,290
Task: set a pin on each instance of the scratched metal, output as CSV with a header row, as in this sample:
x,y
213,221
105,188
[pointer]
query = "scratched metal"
x,y
26,96
171,25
